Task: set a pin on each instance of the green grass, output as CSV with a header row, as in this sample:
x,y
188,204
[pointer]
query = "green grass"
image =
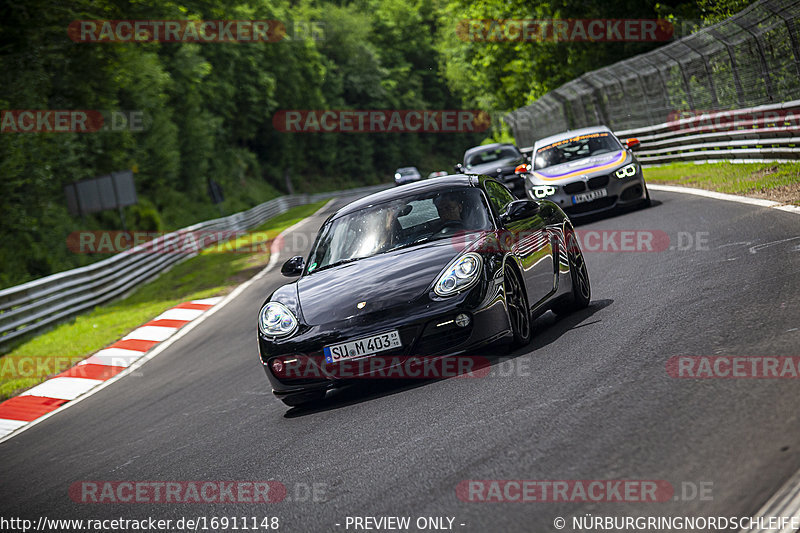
x,y
776,181
208,274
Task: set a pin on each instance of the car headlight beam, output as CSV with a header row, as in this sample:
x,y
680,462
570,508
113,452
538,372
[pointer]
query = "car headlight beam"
x,y
459,275
627,171
275,320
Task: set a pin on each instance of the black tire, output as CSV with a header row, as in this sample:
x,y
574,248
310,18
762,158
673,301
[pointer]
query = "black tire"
x,y
581,287
519,315
647,202
302,400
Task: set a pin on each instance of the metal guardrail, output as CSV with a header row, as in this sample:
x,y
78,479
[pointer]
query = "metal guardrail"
x,y
751,59
31,306
763,133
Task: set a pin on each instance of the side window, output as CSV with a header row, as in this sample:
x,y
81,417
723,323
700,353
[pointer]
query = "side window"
x,y
499,196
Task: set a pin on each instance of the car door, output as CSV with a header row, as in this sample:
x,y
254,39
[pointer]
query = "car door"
x,y
530,243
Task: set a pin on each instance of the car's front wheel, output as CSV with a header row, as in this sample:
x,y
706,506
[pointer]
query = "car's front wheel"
x,y
519,314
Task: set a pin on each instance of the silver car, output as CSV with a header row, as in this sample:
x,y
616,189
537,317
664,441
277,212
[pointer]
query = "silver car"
x,y
586,171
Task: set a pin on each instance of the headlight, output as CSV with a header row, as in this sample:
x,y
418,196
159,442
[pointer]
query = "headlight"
x,y
397,176
459,275
627,171
276,320
543,191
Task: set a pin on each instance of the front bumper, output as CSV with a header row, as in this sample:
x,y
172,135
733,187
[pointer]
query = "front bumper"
x,y
430,333
621,193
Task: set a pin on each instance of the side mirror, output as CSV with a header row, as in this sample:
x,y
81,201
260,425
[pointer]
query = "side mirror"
x,y
458,168
518,210
632,143
293,267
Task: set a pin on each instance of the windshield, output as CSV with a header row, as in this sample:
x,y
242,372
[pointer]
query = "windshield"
x,y
492,155
397,224
575,148
407,171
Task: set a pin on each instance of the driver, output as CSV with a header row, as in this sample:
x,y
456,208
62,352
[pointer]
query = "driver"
x,y
450,207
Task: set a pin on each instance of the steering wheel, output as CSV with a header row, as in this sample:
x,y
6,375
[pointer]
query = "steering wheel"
x,y
450,224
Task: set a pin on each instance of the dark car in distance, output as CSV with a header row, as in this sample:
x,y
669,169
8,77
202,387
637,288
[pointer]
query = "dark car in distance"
x,y
497,160
431,269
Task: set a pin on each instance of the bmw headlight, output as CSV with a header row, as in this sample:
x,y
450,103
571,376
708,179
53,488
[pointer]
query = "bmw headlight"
x,y
543,191
276,320
459,275
627,171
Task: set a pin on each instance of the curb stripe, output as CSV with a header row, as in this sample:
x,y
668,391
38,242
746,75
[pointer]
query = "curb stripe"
x,y
192,305
39,401
124,353
134,344
27,408
167,323
150,333
92,371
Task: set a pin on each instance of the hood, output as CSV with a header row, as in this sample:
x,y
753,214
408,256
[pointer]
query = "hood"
x,y
599,164
383,281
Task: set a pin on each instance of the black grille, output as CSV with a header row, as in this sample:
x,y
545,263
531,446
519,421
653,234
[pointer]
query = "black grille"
x,y
591,206
572,188
443,338
598,182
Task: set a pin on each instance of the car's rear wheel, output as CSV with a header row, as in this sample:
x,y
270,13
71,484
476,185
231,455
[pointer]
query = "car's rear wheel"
x,y
581,288
518,311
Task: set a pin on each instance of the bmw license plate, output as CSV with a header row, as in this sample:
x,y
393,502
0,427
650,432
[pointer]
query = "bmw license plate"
x,y
361,347
589,196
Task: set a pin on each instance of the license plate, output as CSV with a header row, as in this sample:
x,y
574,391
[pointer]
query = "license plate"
x,y
362,347
589,196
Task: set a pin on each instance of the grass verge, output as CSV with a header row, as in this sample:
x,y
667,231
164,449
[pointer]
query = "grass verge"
x,y
208,274
774,181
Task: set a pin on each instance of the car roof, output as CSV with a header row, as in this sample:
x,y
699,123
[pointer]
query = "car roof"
x,y
568,134
484,147
432,184
407,168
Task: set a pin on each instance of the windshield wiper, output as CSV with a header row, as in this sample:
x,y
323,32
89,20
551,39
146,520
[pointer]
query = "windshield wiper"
x,y
337,263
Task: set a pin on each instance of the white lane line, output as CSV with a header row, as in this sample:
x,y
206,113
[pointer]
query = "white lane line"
x,y
180,314
63,388
273,260
722,196
150,333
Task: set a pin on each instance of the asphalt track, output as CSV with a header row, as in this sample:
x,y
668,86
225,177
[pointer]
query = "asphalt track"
x,y
590,398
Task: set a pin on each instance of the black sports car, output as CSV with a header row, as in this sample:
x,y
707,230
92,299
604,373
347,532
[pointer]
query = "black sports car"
x,y
435,268
498,160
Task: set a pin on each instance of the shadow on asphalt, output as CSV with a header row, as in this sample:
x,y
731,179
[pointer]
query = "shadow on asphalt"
x,y
547,329
588,219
